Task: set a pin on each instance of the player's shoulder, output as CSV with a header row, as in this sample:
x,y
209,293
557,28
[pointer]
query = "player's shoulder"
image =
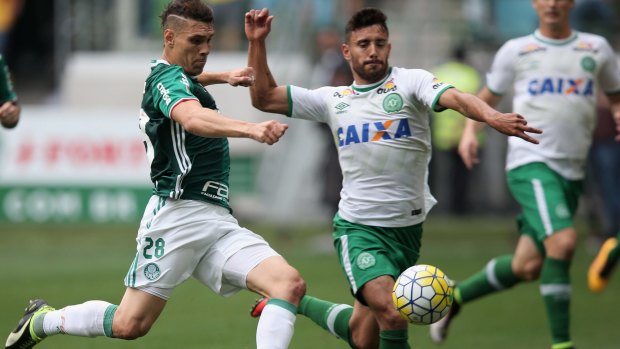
x,y
409,73
590,40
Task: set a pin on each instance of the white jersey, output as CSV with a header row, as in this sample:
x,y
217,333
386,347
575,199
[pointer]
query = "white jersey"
x,y
555,85
382,134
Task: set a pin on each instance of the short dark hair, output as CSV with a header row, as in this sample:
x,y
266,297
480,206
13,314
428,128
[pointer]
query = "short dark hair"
x,y
188,9
365,18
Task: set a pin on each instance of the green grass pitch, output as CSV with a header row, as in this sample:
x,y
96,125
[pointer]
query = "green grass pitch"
x,y
69,265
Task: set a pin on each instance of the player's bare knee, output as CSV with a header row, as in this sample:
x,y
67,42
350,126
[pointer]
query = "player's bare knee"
x,y
295,286
529,271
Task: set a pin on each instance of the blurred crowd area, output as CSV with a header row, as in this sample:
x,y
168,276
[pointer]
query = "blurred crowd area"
x,y
39,40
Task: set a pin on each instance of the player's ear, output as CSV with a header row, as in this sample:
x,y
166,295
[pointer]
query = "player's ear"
x,y
169,37
346,52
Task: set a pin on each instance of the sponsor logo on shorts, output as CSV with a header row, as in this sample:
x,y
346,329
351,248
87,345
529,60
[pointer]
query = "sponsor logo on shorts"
x,y
151,271
365,260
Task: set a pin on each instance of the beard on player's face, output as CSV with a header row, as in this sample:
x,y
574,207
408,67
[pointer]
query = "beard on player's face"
x,y
371,70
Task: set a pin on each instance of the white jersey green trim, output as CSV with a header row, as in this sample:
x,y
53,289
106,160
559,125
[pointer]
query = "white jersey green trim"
x,y
183,165
382,133
555,84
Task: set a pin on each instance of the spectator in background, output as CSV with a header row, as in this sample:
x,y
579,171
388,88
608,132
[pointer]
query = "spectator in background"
x,y
9,108
449,177
604,167
229,21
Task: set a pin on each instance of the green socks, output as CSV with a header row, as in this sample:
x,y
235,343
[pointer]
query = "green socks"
x,y
556,291
393,339
330,316
496,276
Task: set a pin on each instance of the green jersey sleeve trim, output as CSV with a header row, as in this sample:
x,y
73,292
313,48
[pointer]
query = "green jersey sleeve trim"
x,y
439,108
289,96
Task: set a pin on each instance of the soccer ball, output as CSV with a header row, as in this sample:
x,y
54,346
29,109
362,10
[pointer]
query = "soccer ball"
x,y
422,294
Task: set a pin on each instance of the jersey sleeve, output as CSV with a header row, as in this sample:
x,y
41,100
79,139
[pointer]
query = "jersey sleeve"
x,y
308,104
169,88
609,74
501,75
426,88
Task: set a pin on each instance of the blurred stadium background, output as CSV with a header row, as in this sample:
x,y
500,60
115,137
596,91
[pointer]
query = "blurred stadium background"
x,y
74,180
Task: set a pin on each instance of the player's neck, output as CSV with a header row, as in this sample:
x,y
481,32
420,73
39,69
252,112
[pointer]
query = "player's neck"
x,y
555,32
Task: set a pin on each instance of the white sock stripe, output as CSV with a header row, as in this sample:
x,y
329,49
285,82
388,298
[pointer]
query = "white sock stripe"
x,y
491,277
541,203
331,317
555,289
346,263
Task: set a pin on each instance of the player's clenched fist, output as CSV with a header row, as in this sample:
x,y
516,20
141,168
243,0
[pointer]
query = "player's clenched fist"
x,y
268,132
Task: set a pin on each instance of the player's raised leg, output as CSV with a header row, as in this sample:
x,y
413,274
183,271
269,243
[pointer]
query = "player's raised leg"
x,y
131,319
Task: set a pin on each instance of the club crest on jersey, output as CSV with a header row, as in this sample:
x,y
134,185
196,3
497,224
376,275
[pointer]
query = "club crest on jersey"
x,y
152,271
588,64
531,48
373,132
344,93
392,103
561,86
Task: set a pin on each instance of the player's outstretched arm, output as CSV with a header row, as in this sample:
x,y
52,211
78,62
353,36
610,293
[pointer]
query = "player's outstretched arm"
x,y
265,93
614,104
205,122
511,124
236,77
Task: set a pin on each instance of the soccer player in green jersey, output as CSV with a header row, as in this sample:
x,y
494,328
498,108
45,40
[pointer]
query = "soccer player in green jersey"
x,y
555,73
9,108
381,128
187,228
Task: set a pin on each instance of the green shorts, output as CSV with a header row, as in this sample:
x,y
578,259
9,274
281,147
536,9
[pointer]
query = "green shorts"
x,y
367,252
548,200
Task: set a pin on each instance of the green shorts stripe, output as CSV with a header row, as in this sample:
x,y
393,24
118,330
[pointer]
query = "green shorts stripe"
x,y
541,202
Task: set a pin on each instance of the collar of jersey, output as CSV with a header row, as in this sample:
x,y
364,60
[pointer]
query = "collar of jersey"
x,y
366,88
155,62
556,42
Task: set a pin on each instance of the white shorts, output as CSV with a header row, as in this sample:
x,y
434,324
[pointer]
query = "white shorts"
x,y
182,238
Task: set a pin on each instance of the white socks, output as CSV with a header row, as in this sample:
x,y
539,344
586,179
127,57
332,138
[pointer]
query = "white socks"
x,y
275,327
86,319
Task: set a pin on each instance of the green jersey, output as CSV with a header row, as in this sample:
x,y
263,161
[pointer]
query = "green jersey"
x,y
183,165
6,87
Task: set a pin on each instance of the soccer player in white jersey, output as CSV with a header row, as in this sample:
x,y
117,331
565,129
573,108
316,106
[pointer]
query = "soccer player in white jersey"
x,y
555,74
380,125
187,228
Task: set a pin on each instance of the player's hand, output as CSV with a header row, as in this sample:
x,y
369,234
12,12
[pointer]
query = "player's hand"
x,y
268,132
513,124
468,149
257,24
241,77
9,114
